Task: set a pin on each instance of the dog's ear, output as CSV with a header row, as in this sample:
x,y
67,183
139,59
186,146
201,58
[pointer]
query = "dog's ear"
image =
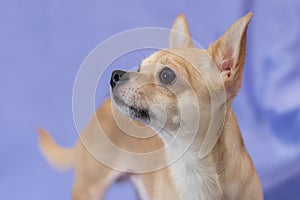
x,y
228,52
180,33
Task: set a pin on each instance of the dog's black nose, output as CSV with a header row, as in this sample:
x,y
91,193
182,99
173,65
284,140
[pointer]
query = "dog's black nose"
x,y
117,75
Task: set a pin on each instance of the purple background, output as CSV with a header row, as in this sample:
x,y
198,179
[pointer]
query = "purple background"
x,y
42,44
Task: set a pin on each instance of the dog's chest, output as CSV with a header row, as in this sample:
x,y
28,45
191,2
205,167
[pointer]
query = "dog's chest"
x,y
195,180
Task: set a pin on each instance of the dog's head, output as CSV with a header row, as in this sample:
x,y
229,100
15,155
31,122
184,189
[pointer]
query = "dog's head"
x,y
180,79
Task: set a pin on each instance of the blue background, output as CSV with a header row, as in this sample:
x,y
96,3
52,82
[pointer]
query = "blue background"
x,y
42,44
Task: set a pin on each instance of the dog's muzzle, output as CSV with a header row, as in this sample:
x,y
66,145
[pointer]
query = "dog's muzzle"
x,y
118,76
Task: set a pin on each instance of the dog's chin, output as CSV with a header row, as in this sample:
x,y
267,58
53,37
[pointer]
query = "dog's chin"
x,y
134,112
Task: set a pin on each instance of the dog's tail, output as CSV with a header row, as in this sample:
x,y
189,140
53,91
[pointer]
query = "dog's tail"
x,y
61,158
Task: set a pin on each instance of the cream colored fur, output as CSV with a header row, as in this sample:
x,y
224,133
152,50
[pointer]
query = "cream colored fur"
x,y
216,166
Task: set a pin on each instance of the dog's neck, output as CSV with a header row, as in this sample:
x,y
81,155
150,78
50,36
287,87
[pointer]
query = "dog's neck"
x,y
198,178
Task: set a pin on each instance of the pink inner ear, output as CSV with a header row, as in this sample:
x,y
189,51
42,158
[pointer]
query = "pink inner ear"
x,y
231,85
226,67
226,62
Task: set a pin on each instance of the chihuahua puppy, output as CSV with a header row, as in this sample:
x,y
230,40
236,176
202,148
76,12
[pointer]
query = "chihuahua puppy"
x,y
184,94
186,87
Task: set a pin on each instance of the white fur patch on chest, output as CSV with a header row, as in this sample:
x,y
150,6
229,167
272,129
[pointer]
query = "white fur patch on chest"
x,y
195,179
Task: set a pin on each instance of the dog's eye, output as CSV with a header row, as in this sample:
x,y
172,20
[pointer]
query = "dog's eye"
x,y
167,76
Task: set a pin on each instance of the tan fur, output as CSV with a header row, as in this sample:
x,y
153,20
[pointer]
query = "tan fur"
x,y
61,158
92,178
225,172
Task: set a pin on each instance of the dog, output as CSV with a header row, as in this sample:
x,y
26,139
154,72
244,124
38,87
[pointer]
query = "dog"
x,y
182,97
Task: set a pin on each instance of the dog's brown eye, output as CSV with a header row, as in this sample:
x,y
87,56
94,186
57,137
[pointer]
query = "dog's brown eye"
x,y
167,76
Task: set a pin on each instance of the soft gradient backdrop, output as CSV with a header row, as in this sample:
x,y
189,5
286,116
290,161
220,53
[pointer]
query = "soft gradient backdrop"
x,y
42,44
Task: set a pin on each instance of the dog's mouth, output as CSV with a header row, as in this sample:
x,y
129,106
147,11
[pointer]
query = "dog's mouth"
x,y
137,113
134,112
